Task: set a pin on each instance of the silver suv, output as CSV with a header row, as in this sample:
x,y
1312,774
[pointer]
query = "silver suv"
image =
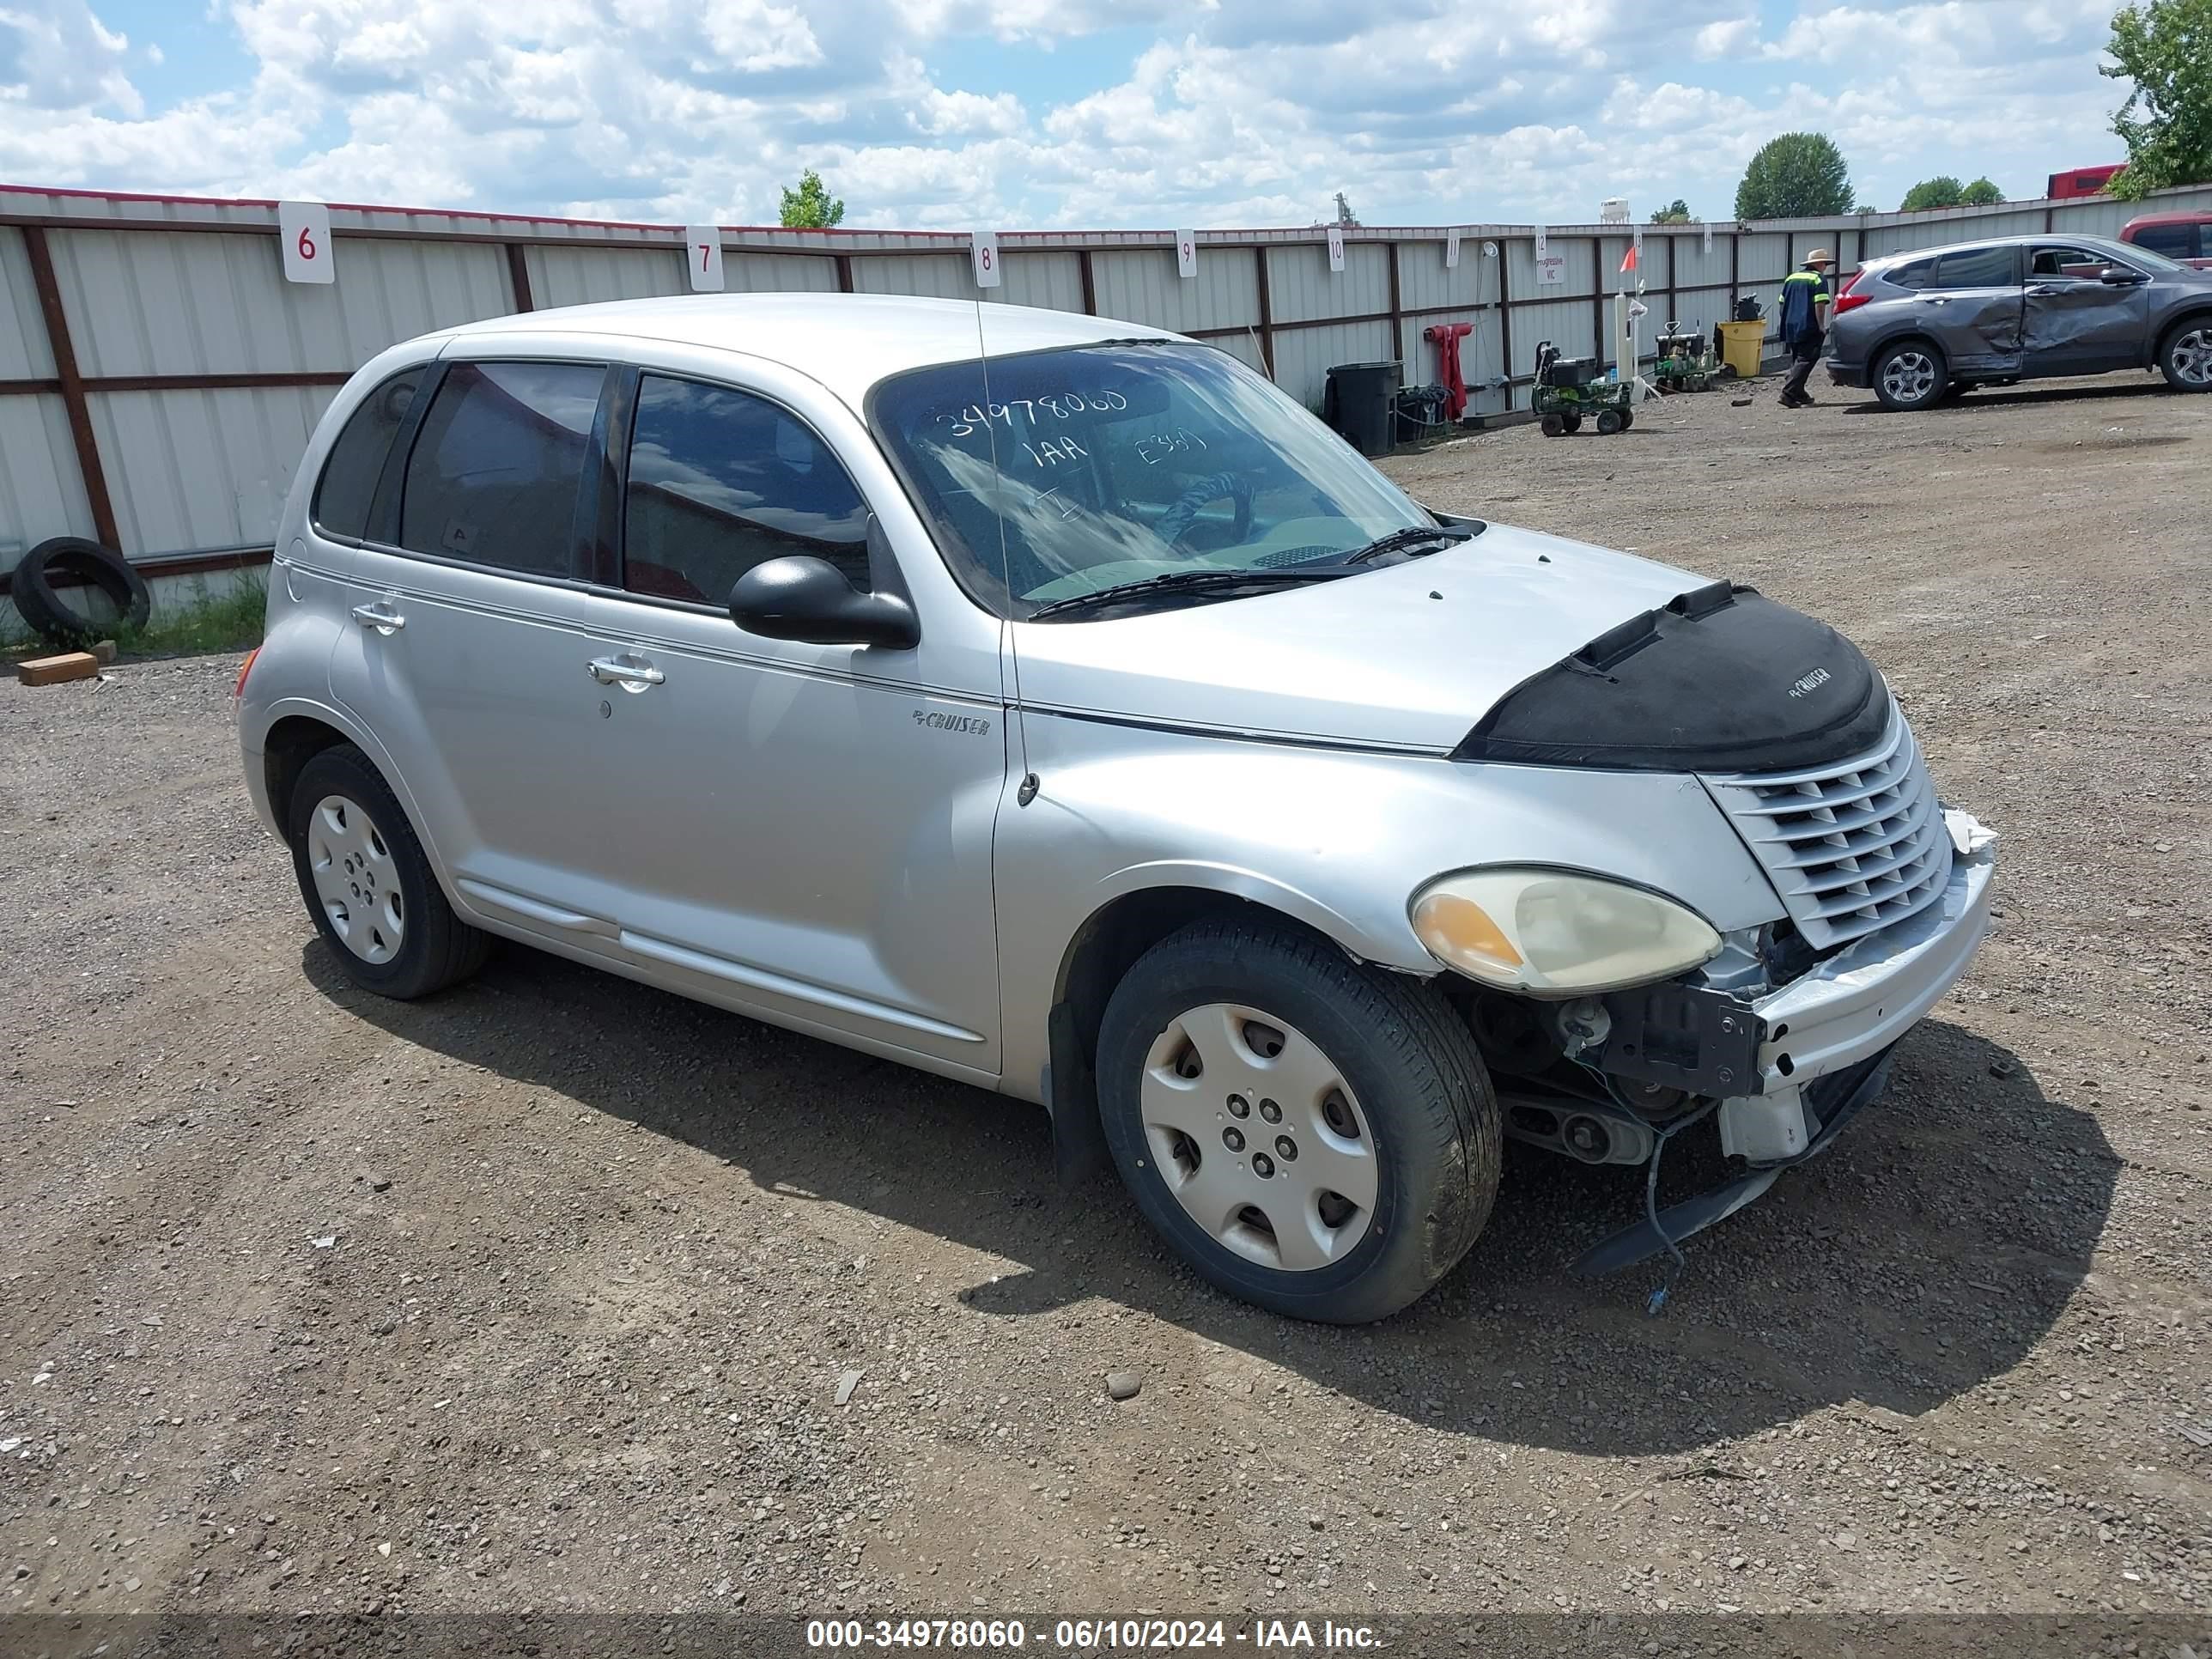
x,y
1052,704
1920,326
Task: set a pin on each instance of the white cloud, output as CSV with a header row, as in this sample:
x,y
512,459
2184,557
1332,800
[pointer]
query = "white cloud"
x,y
1223,112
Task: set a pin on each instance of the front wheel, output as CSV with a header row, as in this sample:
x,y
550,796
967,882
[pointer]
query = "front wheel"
x,y
1554,426
2185,358
1610,422
369,884
1909,375
1311,1135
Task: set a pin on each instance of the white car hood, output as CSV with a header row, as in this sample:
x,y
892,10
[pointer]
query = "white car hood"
x,y
1409,656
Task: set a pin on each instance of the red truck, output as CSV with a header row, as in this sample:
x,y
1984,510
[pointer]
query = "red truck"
x,y
2082,181
2185,236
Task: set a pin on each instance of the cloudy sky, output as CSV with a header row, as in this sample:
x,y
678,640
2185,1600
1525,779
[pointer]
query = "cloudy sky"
x,y
1041,112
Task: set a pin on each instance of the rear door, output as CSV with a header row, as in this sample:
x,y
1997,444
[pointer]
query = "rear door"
x,y
1972,305
467,658
2075,322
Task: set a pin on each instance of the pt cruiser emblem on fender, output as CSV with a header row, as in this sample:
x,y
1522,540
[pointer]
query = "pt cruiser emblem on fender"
x,y
1812,682
937,721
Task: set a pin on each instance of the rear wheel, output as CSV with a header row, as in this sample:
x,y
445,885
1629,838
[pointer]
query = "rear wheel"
x,y
368,885
1311,1135
2185,358
1909,375
1554,426
1610,422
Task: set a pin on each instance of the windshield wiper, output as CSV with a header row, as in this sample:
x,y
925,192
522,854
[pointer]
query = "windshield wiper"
x,y
1184,581
1412,536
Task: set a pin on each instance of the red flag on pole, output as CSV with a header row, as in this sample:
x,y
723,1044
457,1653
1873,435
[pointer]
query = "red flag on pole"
x,y
1628,261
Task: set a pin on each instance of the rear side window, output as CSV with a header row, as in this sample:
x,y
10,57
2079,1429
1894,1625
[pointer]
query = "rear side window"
x,y
494,471
347,486
720,481
1917,274
1978,267
2175,242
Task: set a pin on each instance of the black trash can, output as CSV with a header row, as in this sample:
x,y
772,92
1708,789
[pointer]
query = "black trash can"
x,y
1362,404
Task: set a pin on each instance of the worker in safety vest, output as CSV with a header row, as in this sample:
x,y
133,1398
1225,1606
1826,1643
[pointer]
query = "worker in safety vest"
x,y
1804,323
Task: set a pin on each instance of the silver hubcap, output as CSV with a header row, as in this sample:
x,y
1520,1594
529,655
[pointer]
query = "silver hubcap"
x,y
356,878
1910,376
1259,1137
2192,357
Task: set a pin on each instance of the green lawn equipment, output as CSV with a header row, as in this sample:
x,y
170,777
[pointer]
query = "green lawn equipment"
x,y
1685,361
1569,389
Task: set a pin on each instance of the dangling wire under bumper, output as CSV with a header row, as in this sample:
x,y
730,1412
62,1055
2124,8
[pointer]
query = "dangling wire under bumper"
x,y
1845,1093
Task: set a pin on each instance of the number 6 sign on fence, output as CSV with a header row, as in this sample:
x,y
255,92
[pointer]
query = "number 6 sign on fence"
x,y
303,232
702,257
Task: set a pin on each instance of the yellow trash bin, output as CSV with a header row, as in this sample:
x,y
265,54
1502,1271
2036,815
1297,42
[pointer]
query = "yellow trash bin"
x,y
1741,344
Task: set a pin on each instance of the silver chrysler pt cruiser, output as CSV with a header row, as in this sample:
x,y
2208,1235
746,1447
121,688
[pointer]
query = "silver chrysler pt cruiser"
x,y
1054,704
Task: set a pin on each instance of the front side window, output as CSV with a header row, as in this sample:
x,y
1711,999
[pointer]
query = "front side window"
x,y
1091,467
496,470
2080,263
1978,267
347,490
721,480
2175,242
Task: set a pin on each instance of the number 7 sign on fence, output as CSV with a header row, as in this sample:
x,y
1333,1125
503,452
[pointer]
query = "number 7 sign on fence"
x,y
702,256
303,231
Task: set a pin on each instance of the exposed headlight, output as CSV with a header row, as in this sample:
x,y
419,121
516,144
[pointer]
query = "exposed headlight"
x,y
1551,934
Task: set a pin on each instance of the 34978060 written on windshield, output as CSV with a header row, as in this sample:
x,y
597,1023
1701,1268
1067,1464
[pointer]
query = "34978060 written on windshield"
x,y
1090,466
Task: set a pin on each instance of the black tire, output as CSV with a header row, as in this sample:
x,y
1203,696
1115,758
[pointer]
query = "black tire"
x,y
1554,426
1574,423
1627,419
436,948
42,609
1909,375
1423,1092
1610,422
2183,354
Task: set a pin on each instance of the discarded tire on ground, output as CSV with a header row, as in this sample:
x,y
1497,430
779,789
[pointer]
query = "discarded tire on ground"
x,y
43,610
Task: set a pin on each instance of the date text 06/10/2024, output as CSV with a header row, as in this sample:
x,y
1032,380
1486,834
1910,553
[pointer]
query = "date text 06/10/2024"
x,y
1089,1635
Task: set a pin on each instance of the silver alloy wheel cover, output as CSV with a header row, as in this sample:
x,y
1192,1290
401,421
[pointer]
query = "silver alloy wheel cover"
x,y
1186,1114
356,879
1908,376
2192,357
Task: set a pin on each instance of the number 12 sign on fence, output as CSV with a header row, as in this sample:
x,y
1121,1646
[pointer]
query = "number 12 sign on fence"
x,y
303,232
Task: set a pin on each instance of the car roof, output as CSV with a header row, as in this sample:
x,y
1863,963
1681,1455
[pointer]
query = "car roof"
x,y
849,342
2183,216
2069,239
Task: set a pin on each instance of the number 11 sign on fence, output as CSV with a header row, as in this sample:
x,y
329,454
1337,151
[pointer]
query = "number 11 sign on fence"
x,y
303,230
703,254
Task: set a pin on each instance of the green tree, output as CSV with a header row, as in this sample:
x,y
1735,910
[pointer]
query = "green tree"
x,y
1981,193
1941,191
811,206
1677,213
1798,175
2165,47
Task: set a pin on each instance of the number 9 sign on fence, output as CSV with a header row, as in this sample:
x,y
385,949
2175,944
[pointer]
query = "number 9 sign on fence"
x,y
303,231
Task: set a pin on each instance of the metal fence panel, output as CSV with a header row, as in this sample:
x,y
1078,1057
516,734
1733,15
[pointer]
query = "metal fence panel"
x,y
1694,267
1425,281
1763,258
1301,286
584,276
1141,286
1567,323
1303,356
202,470
777,273
1053,280
41,494
945,275
24,352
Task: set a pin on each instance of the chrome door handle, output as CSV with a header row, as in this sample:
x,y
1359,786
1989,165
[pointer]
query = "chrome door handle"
x,y
2041,290
1937,298
379,616
631,673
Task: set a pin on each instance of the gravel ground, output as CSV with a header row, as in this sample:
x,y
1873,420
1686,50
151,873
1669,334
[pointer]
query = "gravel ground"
x,y
540,1295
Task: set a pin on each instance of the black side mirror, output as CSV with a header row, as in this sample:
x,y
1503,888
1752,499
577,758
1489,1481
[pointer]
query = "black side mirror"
x,y
2121,276
802,598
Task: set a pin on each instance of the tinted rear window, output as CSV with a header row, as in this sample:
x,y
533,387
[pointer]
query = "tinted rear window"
x,y
1917,274
1978,267
495,472
347,486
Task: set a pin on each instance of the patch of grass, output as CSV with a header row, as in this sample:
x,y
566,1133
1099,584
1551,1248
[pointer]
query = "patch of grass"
x,y
229,620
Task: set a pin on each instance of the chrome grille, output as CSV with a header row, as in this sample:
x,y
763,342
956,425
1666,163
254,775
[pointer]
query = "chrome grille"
x,y
1852,848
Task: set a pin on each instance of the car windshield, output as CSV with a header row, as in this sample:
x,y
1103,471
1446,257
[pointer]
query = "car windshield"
x,y
1096,466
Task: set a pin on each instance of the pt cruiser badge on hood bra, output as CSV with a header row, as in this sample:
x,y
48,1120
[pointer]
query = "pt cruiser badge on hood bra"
x,y
1052,704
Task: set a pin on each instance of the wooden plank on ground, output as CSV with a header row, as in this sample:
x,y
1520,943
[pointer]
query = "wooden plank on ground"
x,y
52,671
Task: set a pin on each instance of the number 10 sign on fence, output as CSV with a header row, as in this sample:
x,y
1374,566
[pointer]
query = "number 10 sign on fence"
x,y
303,232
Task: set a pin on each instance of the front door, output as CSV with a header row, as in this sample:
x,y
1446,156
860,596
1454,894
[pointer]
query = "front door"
x,y
466,652
2075,322
804,829
1972,305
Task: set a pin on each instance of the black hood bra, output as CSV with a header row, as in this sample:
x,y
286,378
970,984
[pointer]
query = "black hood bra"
x,y
1719,679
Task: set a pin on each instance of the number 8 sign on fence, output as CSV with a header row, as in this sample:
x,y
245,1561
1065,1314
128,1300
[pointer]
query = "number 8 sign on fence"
x,y
303,231
702,256
984,248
